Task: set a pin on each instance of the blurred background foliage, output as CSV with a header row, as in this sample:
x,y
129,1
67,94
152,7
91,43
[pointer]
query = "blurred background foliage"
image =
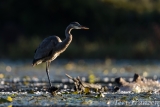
x,y
120,29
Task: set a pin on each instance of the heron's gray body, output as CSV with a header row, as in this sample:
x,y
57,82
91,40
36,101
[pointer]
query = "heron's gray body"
x,y
52,46
47,50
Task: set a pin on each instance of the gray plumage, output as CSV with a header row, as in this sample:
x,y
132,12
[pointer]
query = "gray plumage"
x,y
47,50
53,46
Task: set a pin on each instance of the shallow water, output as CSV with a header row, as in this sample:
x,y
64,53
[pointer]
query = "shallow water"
x,y
27,85
83,68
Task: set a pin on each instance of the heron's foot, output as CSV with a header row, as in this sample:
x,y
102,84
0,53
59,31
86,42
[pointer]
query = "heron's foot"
x,y
53,90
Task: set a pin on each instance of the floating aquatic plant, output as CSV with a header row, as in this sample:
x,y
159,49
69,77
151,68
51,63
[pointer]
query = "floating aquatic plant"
x,y
8,99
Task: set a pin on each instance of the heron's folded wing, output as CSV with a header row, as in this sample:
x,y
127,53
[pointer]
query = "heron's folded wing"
x,y
46,47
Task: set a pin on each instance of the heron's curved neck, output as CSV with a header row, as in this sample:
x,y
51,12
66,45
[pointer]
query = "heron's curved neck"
x,y
68,35
68,31
65,43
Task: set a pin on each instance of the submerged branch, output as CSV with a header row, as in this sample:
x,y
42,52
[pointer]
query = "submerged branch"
x,y
82,86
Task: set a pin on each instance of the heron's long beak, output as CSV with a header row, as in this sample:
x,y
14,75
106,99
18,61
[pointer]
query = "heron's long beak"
x,y
83,27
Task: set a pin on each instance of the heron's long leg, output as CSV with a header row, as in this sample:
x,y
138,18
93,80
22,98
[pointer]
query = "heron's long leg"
x,y
47,71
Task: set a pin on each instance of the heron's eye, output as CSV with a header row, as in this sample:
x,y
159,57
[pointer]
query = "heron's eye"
x,y
77,25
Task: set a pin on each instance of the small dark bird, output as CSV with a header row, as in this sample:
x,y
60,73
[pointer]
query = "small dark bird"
x,y
53,46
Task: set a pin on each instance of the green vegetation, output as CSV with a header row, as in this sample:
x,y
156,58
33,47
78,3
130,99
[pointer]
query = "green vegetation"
x,y
118,28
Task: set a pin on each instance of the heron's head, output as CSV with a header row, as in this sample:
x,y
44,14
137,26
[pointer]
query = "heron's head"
x,y
76,25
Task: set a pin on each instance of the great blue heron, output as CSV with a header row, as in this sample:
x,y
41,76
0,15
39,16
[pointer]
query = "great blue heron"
x,y
52,46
